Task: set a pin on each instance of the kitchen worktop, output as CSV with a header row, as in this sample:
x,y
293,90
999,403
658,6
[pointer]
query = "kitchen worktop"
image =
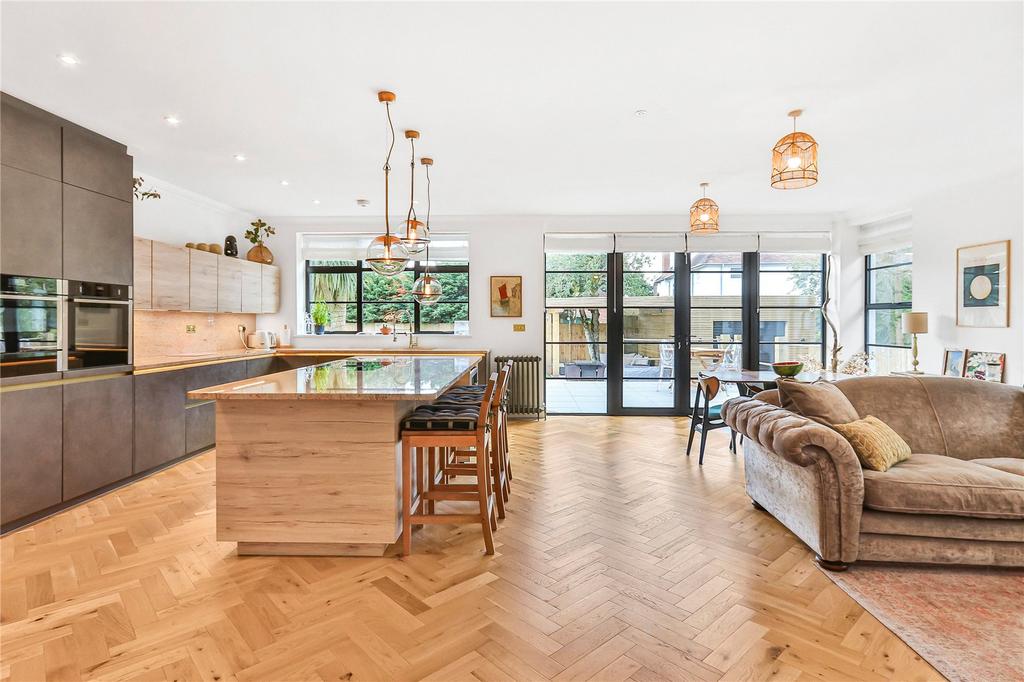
x,y
376,377
156,362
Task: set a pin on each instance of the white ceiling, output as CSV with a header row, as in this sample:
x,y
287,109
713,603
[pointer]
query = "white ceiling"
x,y
529,108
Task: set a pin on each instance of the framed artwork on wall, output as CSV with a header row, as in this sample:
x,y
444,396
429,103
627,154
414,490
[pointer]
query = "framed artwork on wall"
x,y
507,296
953,362
985,366
983,285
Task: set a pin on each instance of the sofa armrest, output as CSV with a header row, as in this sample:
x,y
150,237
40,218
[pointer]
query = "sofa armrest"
x,y
832,473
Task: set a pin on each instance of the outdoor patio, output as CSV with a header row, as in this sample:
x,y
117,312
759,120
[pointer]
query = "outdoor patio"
x,y
566,396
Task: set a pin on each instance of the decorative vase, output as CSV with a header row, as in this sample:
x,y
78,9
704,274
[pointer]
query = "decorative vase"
x,y
231,246
385,330
260,254
317,328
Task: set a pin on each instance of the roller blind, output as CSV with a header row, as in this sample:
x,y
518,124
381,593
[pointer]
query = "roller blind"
x,y
722,243
352,245
655,241
578,242
796,242
887,234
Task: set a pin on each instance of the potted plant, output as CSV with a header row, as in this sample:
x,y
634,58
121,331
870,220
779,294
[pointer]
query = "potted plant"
x,y
256,234
321,315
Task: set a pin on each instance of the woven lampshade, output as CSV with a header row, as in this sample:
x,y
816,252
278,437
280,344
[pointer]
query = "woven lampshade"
x,y
704,215
795,159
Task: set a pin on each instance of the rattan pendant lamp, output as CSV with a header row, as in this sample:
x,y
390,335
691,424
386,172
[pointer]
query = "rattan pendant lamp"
x,y
416,234
386,255
704,214
427,289
795,159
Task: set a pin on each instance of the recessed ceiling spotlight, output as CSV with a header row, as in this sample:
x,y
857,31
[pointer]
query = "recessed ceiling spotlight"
x,y
363,203
68,59
284,183
172,120
239,157
640,113
316,202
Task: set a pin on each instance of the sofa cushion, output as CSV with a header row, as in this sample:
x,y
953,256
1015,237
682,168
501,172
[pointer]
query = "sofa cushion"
x,y
1008,464
934,484
819,401
877,446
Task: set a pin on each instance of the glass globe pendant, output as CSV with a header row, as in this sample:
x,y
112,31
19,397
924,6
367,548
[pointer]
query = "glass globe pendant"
x,y
704,214
427,289
416,236
386,255
795,159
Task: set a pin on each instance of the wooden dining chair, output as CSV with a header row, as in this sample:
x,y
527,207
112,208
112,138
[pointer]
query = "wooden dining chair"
x,y
705,416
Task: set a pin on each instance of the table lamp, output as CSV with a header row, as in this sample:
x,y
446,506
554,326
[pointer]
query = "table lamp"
x,y
915,323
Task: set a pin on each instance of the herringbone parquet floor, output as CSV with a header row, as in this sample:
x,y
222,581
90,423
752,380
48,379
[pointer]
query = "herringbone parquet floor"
x,y
619,559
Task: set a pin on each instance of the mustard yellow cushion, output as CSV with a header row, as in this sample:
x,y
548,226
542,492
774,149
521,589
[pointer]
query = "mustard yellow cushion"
x,y
877,446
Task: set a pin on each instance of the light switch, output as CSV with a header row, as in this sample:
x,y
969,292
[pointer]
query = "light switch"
x,y
519,327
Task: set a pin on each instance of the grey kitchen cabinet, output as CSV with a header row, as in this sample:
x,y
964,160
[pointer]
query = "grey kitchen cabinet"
x,y
30,139
98,420
252,292
229,284
98,240
212,375
286,362
159,419
200,427
30,224
202,280
30,451
96,163
200,417
257,367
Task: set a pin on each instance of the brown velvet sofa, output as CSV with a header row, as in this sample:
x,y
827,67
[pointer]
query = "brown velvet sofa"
x,y
959,499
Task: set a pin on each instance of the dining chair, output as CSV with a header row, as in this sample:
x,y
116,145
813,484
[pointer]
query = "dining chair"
x,y
705,416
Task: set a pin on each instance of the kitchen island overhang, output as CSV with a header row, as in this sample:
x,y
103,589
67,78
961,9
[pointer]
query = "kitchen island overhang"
x,y
309,460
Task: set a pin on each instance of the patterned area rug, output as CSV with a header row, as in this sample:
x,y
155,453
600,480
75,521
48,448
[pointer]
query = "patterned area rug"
x,y
967,622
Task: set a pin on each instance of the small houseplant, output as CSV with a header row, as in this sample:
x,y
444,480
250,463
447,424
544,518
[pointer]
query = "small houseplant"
x,y
140,192
321,315
257,234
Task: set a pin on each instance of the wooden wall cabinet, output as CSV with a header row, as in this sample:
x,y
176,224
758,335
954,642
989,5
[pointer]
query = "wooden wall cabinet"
x,y
229,284
202,280
97,434
143,269
170,277
252,287
30,451
270,289
31,230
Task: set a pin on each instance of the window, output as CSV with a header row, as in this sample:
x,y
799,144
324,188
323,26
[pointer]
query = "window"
x,y
888,289
791,287
360,300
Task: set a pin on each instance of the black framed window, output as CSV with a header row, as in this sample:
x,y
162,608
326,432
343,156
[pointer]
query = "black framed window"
x,y
361,300
790,290
888,293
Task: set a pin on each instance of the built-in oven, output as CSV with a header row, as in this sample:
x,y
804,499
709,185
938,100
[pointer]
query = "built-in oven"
x,y
99,324
34,333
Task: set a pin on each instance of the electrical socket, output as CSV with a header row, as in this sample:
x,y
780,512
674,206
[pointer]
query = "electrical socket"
x,y
190,329
241,329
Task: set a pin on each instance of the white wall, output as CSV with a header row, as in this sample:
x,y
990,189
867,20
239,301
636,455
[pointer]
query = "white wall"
x,y
499,245
181,216
974,213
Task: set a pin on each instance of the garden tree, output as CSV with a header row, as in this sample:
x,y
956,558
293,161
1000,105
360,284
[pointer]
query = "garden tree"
x,y
574,284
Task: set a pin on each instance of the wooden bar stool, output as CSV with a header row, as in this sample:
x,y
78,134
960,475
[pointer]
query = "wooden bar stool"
x,y
461,462
500,405
438,429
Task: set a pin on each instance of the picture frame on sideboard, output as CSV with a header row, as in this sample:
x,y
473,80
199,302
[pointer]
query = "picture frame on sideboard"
x,y
953,362
985,366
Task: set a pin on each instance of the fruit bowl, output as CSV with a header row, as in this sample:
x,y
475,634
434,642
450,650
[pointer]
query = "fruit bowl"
x,y
787,369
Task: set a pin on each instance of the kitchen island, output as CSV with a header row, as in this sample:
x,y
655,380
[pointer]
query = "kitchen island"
x,y
309,459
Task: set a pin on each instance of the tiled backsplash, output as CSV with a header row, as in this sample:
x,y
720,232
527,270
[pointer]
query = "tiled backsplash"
x,y
163,333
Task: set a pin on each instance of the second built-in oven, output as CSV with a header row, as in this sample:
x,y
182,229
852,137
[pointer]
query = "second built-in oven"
x,y
99,325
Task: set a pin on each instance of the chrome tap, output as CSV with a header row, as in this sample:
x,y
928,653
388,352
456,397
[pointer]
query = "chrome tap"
x,y
410,335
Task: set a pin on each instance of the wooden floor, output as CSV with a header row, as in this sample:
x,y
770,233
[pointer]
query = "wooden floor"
x,y
619,559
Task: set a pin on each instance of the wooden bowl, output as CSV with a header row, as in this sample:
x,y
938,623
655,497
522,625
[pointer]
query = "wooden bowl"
x,y
788,369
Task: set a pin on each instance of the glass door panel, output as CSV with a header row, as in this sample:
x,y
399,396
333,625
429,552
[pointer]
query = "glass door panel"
x,y
716,317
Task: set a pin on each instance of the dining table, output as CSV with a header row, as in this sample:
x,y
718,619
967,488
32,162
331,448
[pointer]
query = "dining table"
x,y
750,381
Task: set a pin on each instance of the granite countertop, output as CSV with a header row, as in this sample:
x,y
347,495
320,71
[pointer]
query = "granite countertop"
x,y
364,377
151,362
161,361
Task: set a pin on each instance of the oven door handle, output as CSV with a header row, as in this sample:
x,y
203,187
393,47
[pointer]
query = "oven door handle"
x,y
62,334
29,297
105,301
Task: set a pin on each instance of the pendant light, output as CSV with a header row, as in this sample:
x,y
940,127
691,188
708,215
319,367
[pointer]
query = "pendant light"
x,y
416,236
795,159
386,255
704,214
427,289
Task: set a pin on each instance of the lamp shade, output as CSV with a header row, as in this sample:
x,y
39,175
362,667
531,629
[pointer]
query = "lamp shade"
x,y
915,323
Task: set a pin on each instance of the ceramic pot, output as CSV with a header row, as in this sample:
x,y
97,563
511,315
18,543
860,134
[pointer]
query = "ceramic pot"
x,y
260,254
231,246
318,329
385,330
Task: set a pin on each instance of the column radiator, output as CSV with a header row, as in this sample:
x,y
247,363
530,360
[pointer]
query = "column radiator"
x,y
526,384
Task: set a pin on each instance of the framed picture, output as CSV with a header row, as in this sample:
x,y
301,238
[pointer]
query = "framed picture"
x,y
983,285
953,362
507,296
985,366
